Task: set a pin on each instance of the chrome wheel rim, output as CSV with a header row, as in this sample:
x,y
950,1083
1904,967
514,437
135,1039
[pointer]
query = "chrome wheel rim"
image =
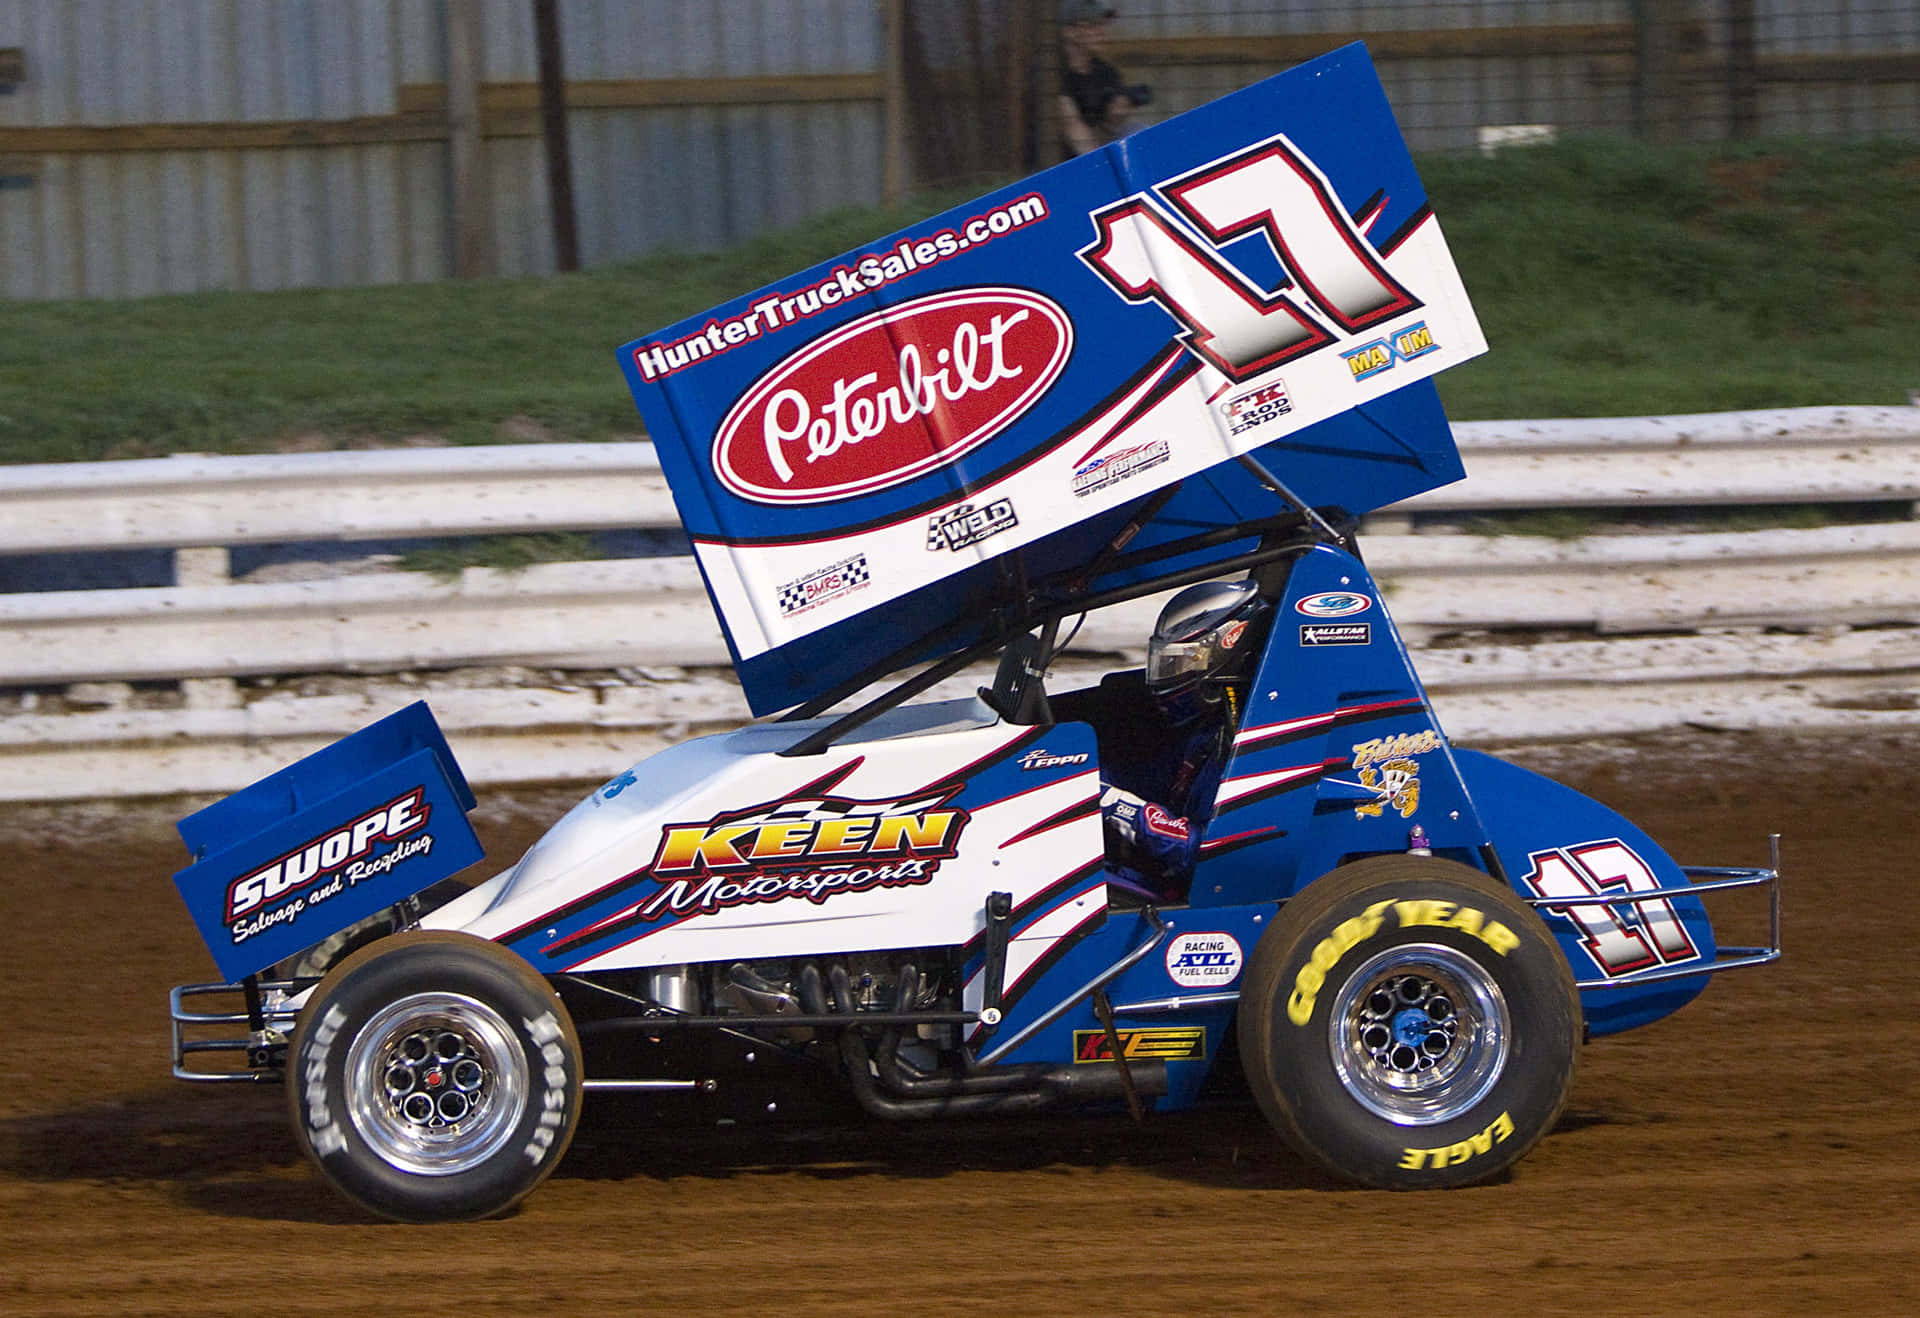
x,y
436,1083
1419,1034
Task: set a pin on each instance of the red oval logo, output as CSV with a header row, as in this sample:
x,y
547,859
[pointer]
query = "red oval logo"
x,y
892,396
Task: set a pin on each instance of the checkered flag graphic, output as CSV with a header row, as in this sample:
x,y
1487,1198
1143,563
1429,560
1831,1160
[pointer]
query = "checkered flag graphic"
x,y
793,596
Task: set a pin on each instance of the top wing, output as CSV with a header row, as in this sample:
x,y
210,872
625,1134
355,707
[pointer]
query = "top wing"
x,y
856,450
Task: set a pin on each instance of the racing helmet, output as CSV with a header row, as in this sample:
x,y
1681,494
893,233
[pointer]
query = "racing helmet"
x,y
1202,639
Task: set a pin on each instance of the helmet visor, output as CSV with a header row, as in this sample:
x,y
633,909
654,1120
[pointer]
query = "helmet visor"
x,y
1170,661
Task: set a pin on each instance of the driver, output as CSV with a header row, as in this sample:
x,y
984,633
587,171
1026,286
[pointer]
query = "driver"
x,y
1199,661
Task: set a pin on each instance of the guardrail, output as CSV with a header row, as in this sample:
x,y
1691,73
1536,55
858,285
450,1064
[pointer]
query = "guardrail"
x,y
649,613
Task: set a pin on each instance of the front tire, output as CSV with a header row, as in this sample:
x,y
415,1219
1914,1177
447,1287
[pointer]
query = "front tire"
x,y
1409,1024
434,1077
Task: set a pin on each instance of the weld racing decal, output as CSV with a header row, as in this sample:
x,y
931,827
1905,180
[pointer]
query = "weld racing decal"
x,y
964,525
307,875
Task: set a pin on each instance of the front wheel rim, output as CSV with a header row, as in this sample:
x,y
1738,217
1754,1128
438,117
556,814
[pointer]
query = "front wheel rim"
x,y
1419,1034
436,1083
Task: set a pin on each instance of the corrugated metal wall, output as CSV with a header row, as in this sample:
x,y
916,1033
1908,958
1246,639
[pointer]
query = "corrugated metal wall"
x,y
1789,28
129,223
132,222
1441,103
706,176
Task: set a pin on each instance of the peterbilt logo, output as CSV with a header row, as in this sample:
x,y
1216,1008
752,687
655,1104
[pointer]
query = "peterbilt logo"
x,y
892,395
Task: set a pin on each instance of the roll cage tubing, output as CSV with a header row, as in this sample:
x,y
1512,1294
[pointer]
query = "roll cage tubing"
x,y
1038,604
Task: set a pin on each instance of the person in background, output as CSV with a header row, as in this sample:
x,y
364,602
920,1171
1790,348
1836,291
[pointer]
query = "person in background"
x,y
1095,105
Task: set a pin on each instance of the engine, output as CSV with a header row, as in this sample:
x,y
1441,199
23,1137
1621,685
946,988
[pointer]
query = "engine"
x,y
910,980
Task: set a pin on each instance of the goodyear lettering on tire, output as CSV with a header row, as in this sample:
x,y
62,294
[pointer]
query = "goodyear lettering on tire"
x,y
1312,977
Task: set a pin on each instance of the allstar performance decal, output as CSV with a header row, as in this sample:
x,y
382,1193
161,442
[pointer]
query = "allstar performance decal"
x,y
815,848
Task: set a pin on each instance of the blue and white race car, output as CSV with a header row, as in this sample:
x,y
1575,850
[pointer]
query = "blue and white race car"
x,y
1182,367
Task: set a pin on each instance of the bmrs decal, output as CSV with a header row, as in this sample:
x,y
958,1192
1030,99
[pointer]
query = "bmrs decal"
x,y
892,396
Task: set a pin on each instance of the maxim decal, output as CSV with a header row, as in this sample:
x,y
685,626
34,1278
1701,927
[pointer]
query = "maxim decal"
x,y
817,848
892,396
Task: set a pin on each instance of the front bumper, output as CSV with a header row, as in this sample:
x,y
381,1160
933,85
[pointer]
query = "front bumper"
x,y
1701,880
265,1010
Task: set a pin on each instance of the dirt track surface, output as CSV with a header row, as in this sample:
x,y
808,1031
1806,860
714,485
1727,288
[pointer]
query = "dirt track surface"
x,y
1754,1154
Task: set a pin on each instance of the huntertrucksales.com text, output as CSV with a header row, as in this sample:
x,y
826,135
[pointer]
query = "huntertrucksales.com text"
x,y
875,270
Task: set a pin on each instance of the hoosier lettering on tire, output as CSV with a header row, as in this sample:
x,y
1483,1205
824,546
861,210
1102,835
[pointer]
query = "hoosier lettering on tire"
x,y
1407,1023
434,1077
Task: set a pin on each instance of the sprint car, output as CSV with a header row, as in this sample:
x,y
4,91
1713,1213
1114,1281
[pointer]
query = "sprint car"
x,y
1201,354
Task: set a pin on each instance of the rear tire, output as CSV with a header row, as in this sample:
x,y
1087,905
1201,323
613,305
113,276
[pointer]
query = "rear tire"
x,y
1407,1023
434,1077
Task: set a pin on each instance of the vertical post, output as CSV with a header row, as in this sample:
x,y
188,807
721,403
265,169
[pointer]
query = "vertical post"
x,y
1050,145
1020,125
1653,85
553,132
1743,72
472,230
895,181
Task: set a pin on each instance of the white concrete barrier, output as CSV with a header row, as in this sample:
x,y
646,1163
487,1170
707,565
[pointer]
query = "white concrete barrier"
x,y
1658,591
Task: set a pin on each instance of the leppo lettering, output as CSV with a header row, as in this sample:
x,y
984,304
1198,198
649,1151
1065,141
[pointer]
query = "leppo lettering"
x,y
892,395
